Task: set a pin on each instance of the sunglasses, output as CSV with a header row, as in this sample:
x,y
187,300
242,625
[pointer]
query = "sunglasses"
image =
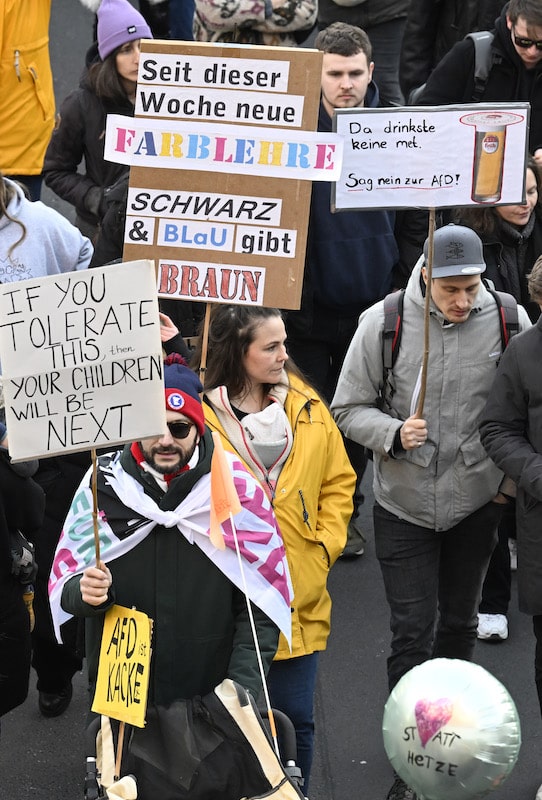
x,y
180,430
524,43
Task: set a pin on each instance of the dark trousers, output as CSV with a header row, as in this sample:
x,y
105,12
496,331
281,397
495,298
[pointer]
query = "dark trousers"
x,y
497,586
537,627
433,582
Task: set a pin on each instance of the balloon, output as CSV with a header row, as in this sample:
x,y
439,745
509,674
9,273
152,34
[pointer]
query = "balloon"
x,y
451,730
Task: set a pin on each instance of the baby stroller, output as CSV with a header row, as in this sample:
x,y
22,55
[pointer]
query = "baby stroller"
x,y
215,747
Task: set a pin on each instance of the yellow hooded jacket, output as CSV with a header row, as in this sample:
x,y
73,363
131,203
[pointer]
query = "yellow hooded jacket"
x,y
313,505
28,104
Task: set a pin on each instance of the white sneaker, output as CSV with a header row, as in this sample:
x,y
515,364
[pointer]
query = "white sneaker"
x,y
493,627
539,794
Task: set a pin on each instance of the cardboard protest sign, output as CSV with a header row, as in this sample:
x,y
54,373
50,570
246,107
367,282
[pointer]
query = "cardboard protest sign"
x,y
124,665
432,157
223,152
81,360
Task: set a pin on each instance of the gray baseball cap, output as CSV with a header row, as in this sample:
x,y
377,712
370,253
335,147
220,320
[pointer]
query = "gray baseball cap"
x,y
456,251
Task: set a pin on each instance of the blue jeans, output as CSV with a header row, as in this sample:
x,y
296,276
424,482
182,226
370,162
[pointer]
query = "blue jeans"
x,y
291,689
181,19
433,582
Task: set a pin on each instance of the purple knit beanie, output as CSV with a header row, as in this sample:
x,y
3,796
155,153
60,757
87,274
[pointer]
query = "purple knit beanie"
x,y
118,23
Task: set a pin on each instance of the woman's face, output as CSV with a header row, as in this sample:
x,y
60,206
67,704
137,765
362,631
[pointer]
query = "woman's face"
x,y
127,61
519,215
266,355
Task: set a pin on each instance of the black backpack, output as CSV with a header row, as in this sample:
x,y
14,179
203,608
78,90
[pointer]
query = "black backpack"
x,y
483,61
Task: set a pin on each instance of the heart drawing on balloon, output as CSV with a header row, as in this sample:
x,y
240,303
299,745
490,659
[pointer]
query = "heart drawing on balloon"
x,y
431,716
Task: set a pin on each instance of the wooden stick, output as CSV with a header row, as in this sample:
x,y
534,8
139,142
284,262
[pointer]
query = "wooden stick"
x,y
95,505
204,342
426,315
120,745
270,715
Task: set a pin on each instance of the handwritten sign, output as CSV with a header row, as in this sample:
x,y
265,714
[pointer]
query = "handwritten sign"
x,y
432,157
240,124
124,665
81,360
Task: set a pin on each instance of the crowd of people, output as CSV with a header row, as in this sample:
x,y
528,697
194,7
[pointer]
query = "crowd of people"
x,y
300,400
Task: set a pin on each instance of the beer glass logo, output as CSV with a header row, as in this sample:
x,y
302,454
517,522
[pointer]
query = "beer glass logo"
x,y
489,145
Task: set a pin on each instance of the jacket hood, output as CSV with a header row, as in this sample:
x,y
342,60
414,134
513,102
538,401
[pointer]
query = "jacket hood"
x,y
505,41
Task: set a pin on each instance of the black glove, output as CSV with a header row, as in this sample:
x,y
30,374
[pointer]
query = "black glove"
x,y
23,563
94,202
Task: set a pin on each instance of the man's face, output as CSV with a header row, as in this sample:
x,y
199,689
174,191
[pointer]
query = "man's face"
x,y
454,296
167,453
520,31
345,80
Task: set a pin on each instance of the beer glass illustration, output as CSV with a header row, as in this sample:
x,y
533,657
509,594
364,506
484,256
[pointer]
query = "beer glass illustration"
x,y
489,147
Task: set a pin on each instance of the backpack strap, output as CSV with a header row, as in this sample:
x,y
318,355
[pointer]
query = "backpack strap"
x,y
393,321
508,315
391,338
483,61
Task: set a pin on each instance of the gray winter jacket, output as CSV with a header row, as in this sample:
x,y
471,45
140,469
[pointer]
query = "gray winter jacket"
x,y
451,476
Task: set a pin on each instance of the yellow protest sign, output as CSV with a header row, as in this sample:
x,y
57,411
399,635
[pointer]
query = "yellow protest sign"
x,y
123,670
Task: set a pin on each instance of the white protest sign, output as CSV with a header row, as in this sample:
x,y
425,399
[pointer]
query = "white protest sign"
x,y
432,157
81,360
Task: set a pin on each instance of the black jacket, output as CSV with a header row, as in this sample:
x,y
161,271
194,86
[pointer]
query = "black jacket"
x,y
510,254
201,631
452,81
432,29
350,256
21,508
511,432
80,134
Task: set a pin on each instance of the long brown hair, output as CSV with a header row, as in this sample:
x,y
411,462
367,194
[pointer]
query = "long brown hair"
x,y
7,193
484,219
232,329
104,79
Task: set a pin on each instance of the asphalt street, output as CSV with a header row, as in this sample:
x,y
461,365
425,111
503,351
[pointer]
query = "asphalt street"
x,y
45,758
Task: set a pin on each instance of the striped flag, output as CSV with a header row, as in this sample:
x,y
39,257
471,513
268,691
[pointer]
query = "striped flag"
x,y
224,497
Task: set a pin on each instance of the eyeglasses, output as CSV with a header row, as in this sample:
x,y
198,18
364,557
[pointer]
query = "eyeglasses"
x,y
524,43
180,430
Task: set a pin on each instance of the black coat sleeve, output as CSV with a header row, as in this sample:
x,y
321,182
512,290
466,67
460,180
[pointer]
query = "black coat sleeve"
x,y
65,152
452,80
418,48
504,426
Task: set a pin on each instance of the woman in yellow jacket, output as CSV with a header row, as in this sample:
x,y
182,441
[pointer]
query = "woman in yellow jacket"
x,y
27,109
283,431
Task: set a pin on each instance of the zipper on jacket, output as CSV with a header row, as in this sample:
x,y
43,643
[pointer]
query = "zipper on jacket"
x,y
305,512
16,65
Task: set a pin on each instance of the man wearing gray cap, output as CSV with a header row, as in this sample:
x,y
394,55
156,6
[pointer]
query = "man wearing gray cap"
x,y
437,502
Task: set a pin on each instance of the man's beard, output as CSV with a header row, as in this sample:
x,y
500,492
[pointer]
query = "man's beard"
x,y
184,458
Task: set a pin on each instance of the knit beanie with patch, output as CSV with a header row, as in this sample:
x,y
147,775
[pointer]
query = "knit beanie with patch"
x,y
183,388
118,23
